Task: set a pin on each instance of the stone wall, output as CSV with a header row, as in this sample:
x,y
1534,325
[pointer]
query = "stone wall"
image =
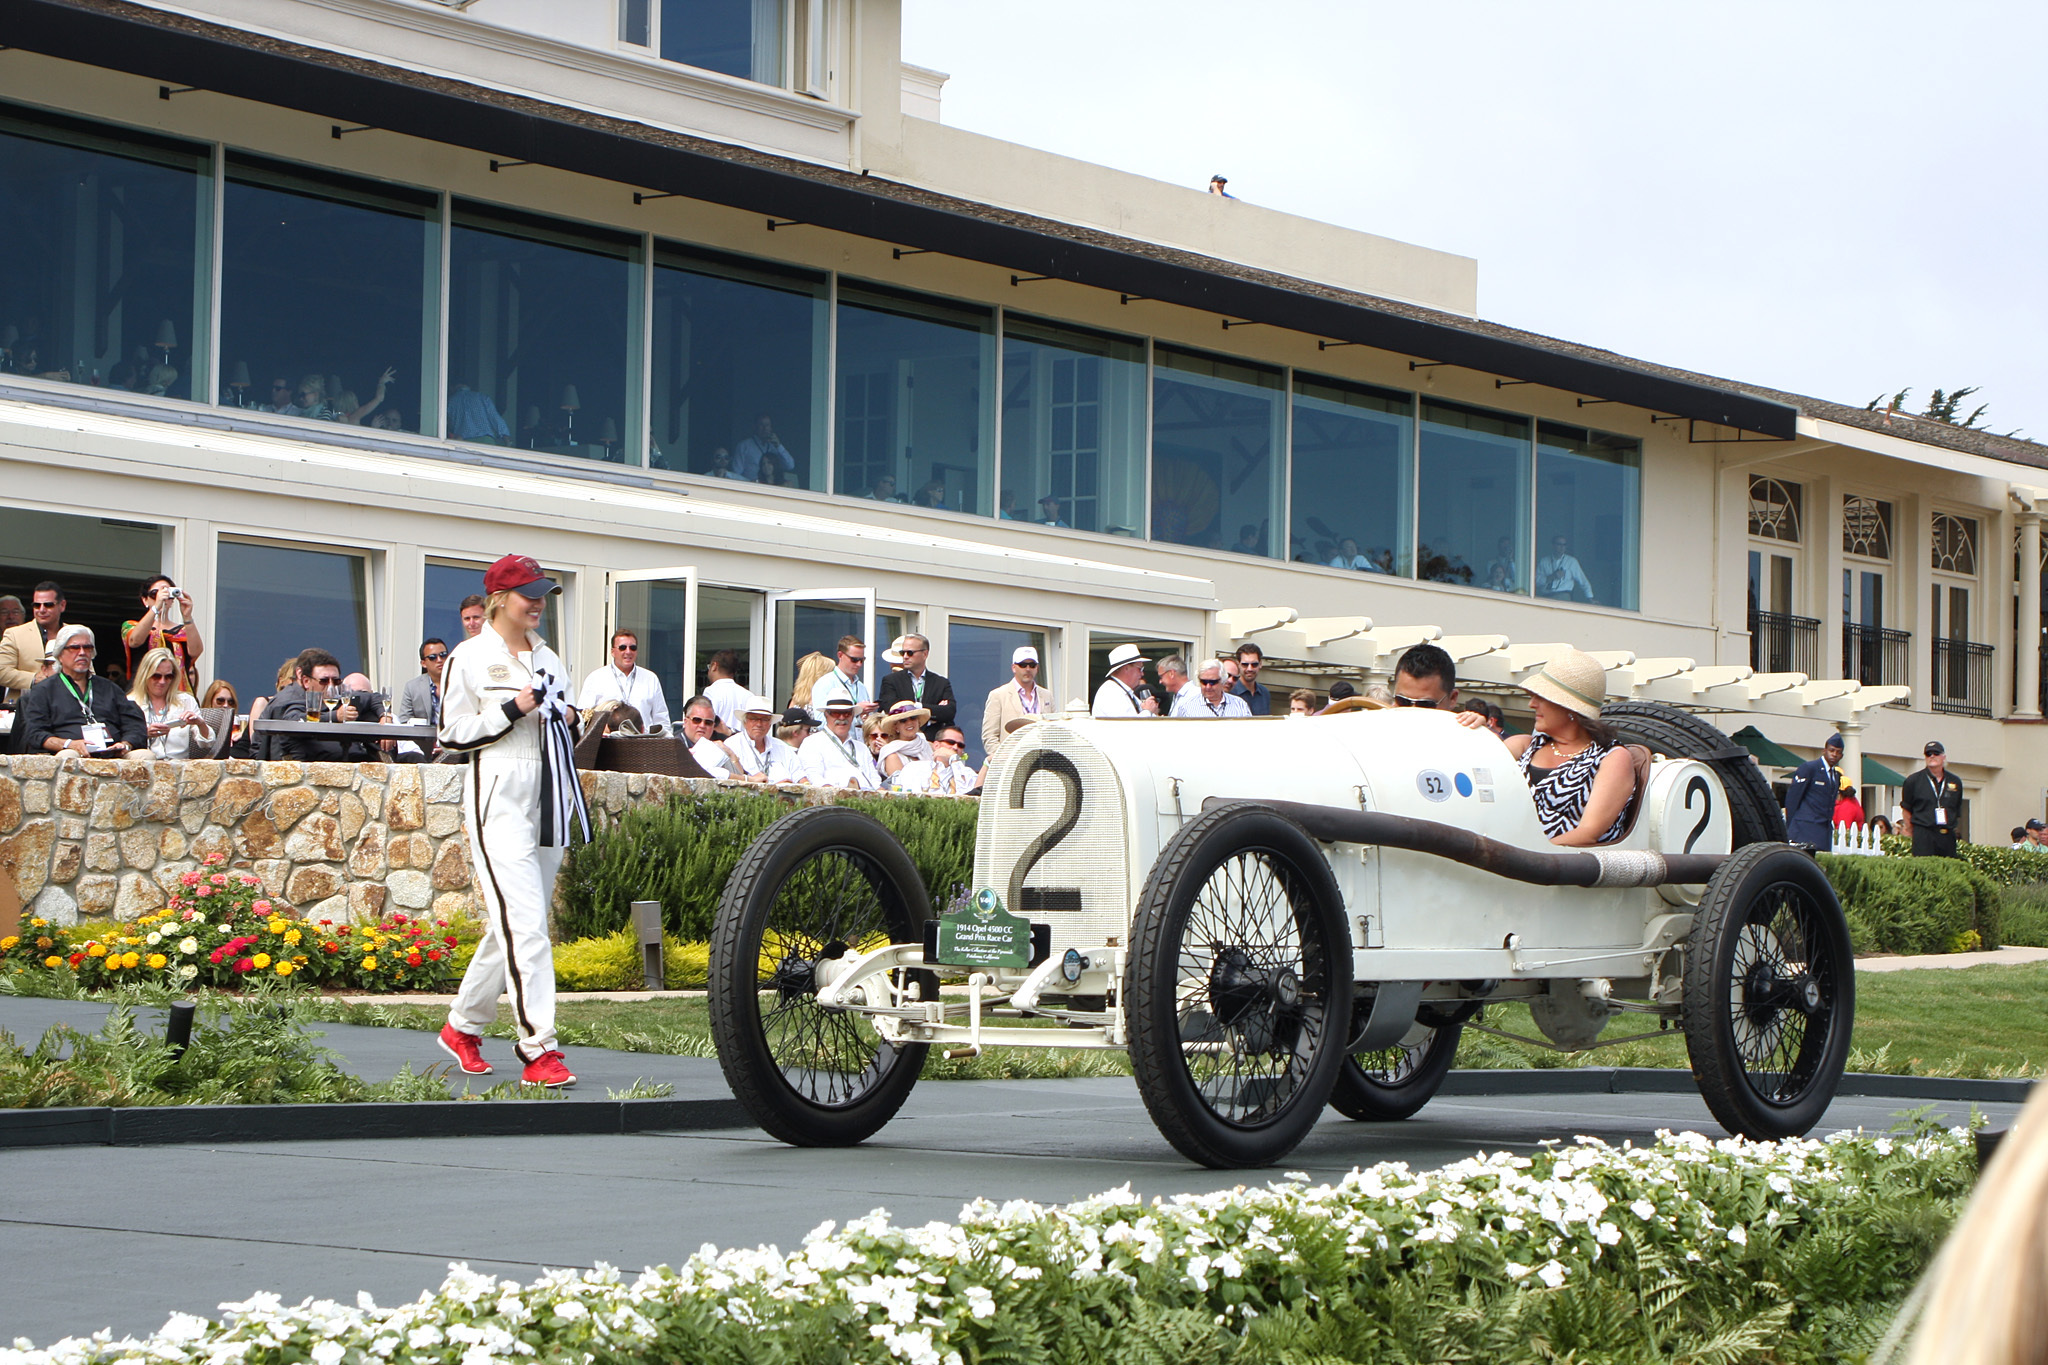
x,y
108,838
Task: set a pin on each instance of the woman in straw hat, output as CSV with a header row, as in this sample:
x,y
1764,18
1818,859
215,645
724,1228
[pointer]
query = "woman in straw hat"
x,y
902,730
1580,775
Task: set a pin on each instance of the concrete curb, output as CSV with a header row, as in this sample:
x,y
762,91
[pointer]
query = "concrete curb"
x,y
1645,1080
208,1124
221,1123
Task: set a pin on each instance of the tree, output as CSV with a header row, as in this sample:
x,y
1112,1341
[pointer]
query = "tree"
x,y
1941,407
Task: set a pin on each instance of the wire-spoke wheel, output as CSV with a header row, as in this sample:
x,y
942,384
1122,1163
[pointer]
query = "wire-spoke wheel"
x,y
1393,1082
1770,993
1240,987
820,885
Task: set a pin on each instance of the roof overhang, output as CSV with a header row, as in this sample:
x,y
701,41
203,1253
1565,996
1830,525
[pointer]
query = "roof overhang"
x,y
118,36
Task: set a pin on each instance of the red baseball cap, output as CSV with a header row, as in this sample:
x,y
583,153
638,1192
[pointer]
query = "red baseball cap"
x,y
520,574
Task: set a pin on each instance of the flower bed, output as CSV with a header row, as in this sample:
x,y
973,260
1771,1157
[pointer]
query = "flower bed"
x,y
1790,1251
219,929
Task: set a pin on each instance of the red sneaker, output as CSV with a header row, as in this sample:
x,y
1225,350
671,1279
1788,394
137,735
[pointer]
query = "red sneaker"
x,y
548,1070
466,1048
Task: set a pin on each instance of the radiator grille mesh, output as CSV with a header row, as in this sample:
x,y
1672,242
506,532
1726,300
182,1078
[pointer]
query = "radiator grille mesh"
x,y
1079,882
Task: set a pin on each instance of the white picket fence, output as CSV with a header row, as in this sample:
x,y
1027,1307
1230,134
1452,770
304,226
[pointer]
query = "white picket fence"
x,y
1856,841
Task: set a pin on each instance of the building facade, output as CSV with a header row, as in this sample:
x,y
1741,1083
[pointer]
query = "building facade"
x,y
319,307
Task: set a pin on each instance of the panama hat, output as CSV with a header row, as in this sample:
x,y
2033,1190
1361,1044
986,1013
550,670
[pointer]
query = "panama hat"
x,y
1574,680
758,706
1016,723
894,653
907,710
1125,654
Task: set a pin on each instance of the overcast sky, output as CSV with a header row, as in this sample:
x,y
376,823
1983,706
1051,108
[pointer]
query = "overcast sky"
x,y
1837,199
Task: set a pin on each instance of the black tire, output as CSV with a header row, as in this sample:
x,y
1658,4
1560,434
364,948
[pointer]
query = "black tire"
x,y
1753,812
1394,1082
817,883
1240,987
1770,992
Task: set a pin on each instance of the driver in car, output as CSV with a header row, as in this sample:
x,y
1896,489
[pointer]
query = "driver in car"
x,y
1426,677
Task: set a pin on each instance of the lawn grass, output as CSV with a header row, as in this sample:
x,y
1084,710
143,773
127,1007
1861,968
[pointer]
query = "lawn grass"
x,y
1980,1022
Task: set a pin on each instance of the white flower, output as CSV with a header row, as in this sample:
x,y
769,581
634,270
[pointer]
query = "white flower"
x,y
1516,1271
187,972
1607,1234
571,1310
188,944
1739,1235
980,1302
1643,1209
327,1353
154,938
1551,1273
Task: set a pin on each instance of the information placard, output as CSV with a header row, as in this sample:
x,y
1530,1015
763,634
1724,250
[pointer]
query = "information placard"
x,y
983,934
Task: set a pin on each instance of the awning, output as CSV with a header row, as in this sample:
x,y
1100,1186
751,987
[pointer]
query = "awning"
x,y
1766,750
1876,774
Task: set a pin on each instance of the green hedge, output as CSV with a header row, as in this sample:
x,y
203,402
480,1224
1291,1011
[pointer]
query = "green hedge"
x,y
682,852
2006,866
1915,905
2023,917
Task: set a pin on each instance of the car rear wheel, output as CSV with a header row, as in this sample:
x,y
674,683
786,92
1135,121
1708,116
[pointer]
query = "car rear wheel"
x,y
1239,987
1394,1082
1770,993
820,884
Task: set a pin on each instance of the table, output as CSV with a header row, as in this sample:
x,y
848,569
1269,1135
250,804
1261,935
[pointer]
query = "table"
x,y
347,729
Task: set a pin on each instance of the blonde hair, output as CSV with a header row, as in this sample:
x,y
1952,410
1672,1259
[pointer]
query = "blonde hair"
x,y
138,686
495,603
809,669
211,697
287,671
1986,1296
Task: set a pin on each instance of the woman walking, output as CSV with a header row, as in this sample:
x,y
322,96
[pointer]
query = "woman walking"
x,y
505,702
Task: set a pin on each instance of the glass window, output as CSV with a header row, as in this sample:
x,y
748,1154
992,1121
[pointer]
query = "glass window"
x,y
633,22
1472,519
739,369
738,37
725,620
1353,471
101,279
543,335
1866,526
1073,428
1101,642
1215,453
978,662
441,607
273,601
914,418
1774,507
1588,515
324,289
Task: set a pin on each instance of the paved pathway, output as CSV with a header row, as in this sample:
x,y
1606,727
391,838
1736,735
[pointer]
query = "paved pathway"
x,y
121,1237
1905,962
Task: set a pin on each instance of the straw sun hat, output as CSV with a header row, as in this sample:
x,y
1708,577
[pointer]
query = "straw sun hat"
x,y
1574,680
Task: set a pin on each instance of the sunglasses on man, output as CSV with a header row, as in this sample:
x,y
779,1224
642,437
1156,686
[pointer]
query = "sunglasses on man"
x,y
1426,703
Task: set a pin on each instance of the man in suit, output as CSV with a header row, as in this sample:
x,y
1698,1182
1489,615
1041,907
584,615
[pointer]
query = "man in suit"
x,y
316,678
23,647
1021,696
916,682
420,702
1810,798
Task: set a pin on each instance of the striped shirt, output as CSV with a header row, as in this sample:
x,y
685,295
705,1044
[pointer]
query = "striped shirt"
x,y
1562,792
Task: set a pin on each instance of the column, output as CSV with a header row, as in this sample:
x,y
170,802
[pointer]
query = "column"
x,y
2026,702
1851,732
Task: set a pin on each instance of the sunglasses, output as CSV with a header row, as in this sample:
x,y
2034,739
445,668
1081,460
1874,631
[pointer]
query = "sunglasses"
x,y
1028,663
429,658
162,677
951,743
1210,682
1426,703
697,720
627,649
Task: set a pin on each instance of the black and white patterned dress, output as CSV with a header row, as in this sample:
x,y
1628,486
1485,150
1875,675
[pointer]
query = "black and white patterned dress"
x,y
1562,792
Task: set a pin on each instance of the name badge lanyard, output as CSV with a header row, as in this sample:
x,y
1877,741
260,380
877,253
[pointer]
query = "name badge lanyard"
x,y
84,700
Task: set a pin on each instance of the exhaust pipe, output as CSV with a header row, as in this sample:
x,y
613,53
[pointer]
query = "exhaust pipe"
x,y
1587,867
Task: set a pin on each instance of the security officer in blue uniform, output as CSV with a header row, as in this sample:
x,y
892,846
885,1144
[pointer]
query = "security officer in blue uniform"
x,y
1810,800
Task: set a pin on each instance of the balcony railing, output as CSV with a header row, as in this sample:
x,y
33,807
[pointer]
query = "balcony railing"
x,y
1779,643
1875,656
1962,677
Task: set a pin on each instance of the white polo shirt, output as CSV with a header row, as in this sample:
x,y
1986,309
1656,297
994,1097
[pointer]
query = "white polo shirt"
x,y
779,762
727,697
1231,707
1114,699
825,760
639,689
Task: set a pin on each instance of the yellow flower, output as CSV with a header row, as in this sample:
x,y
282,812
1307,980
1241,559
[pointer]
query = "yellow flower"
x,y
130,959
261,960
9,942
370,964
95,950
276,926
157,961
53,961
285,969
292,936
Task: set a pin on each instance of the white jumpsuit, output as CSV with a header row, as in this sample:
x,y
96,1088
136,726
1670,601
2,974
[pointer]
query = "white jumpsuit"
x,y
501,808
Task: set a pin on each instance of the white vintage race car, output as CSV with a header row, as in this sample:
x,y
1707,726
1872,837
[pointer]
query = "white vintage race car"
x,y
1275,915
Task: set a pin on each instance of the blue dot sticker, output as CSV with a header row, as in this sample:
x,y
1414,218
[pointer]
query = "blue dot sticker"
x,y
1464,784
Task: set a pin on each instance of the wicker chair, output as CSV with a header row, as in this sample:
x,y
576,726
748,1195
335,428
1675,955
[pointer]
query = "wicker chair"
x,y
665,755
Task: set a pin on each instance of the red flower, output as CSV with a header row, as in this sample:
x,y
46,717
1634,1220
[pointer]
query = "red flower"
x,y
433,954
332,947
75,959
398,919
217,954
449,940
412,959
244,964
341,929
